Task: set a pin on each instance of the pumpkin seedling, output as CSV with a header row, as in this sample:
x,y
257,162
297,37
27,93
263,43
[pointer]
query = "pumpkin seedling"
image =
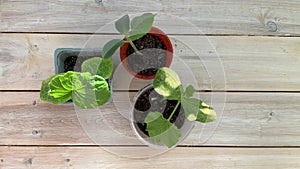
x,y
132,30
167,84
87,89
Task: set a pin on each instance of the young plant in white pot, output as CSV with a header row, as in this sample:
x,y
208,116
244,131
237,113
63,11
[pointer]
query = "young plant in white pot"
x,y
163,112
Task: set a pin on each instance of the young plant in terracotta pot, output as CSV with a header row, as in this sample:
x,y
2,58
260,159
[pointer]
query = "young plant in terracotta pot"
x,y
144,48
87,89
163,112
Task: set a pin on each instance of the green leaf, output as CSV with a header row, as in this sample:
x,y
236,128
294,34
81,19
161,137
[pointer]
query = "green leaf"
x,y
122,25
135,37
61,87
110,47
98,66
206,113
189,91
141,25
196,110
167,84
161,130
94,93
44,93
86,91
190,107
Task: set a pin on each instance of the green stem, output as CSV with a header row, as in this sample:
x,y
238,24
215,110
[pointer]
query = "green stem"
x,y
134,47
174,111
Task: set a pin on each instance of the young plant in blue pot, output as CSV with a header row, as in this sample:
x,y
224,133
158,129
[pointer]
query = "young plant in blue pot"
x,y
164,112
87,89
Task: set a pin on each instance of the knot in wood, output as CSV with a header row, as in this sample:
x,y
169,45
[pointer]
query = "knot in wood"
x,y
272,26
35,132
34,103
98,1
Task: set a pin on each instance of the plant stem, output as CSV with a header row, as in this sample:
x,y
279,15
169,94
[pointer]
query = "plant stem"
x,y
134,47
174,111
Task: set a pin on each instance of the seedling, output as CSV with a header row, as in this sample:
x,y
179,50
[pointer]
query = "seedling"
x,y
167,84
87,89
132,30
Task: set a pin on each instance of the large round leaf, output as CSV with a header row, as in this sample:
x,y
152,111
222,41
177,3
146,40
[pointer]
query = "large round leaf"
x,y
98,66
44,93
86,91
161,130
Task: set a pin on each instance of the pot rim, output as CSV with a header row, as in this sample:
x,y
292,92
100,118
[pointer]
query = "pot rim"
x,y
169,48
186,128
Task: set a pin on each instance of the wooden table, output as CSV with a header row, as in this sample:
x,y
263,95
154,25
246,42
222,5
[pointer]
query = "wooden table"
x,y
257,43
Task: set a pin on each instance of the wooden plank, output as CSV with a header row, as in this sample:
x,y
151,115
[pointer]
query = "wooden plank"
x,y
95,157
249,119
262,17
249,63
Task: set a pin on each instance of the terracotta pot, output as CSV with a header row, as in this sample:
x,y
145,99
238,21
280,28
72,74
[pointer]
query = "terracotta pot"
x,y
169,49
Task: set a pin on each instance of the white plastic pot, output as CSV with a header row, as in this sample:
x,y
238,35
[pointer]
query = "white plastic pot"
x,y
185,128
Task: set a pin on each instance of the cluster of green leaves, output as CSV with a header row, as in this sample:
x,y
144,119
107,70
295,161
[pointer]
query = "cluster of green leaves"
x,y
137,28
87,89
167,84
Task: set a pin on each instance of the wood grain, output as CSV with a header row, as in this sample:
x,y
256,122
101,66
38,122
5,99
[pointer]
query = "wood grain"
x,y
258,128
264,17
217,63
249,119
95,157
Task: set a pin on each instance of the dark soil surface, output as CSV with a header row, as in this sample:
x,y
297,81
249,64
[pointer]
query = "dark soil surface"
x,y
154,55
73,63
150,101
